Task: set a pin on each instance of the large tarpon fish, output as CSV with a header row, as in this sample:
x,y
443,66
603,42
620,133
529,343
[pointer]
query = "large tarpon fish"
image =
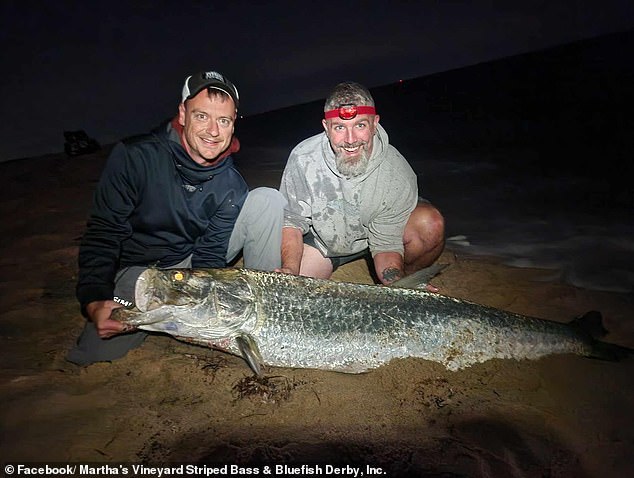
x,y
283,320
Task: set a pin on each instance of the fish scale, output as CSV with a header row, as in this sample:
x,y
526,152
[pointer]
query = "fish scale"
x,y
293,321
358,327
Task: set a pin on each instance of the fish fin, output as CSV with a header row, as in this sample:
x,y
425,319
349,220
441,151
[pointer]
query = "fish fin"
x,y
250,352
591,324
419,279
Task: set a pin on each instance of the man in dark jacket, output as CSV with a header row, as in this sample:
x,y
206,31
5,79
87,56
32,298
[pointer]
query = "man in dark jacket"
x,y
171,198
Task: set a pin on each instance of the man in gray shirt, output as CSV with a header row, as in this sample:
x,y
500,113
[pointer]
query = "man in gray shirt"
x,y
350,192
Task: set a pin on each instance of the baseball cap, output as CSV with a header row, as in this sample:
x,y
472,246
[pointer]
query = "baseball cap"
x,y
194,84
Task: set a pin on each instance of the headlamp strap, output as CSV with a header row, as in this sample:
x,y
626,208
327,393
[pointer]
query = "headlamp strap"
x,y
348,112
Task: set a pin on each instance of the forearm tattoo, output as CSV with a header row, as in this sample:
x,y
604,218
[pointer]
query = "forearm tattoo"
x,y
392,274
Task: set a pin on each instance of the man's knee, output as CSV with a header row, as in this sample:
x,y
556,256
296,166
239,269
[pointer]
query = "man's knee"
x,y
258,230
265,199
426,222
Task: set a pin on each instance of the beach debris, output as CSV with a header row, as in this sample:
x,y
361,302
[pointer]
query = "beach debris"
x,y
78,142
266,389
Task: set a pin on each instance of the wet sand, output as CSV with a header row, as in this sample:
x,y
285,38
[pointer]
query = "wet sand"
x,y
170,402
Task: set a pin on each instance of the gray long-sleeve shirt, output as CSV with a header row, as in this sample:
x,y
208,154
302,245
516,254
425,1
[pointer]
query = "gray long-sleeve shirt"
x,y
349,215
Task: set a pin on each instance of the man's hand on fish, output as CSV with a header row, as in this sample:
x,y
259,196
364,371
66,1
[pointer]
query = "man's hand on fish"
x,y
99,312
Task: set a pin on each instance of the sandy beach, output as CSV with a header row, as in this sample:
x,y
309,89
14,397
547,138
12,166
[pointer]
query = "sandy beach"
x,y
170,402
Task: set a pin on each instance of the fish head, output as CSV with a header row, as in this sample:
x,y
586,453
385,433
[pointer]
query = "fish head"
x,y
173,287
197,303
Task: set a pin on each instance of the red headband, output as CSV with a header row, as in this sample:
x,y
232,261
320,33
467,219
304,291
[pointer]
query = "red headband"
x,y
347,112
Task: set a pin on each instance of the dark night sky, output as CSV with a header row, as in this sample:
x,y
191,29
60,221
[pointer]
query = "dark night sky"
x,y
114,69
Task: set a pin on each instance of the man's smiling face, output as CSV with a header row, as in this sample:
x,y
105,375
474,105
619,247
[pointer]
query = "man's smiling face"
x,y
352,141
208,122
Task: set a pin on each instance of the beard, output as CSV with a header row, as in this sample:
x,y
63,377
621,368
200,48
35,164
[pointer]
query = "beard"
x,y
351,167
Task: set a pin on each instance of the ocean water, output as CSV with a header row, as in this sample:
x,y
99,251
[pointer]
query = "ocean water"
x,y
578,229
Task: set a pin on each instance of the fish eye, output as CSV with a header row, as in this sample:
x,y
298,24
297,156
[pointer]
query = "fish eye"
x,y
179,277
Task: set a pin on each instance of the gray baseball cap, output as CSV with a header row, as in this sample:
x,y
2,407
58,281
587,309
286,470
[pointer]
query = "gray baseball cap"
x,y
194,84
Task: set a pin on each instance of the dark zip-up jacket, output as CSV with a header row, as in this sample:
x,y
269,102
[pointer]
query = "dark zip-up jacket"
x,y
155,206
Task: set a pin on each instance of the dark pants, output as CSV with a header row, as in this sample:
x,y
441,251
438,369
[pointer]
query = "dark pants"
x,y
91,348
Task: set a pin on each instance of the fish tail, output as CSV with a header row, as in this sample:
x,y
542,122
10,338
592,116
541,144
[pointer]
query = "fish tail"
x,y
610,352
